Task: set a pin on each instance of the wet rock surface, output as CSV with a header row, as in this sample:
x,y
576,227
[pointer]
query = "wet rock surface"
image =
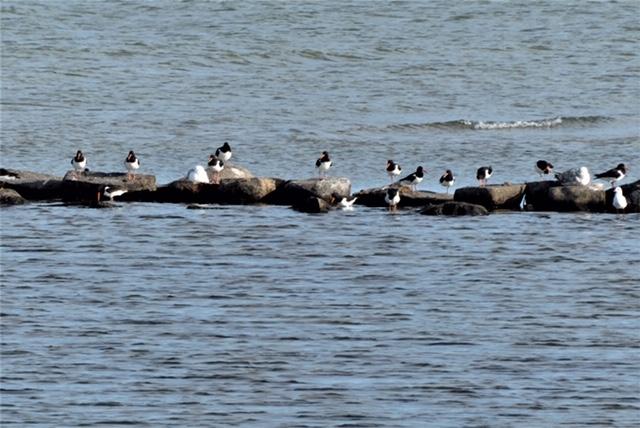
x,y
455,208
492,197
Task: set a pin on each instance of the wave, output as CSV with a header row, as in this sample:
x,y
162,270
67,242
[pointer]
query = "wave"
x,y
464,124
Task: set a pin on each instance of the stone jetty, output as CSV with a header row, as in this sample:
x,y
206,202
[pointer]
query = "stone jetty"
x,y
237,185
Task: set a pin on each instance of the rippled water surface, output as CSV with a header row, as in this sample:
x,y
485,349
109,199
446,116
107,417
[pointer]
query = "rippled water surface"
x,y
159,315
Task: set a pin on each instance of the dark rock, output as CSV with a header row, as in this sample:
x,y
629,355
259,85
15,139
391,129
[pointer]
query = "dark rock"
x,y
295,191
536,195
32,185
85,186
247,190
312,204
408,198
10,197
553,196
492,197
455,209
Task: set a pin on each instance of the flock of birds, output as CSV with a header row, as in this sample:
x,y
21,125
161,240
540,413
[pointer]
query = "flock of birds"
x,y
198,174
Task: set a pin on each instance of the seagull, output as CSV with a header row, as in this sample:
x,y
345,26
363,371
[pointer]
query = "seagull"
x,y
543,167
132,163
619,201
614,174
483,174
198,174
413,179
392,198
323,163
579,176
216,165
447,179
345,203
224,152
110,193
393,169
79,162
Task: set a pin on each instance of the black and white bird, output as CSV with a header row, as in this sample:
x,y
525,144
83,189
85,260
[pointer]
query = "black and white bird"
x,y
619,201
483,174
111,192
79,162
392,197
543,168
216,165
447,179
574,176
224,152
198,174
132,163
412,180
614,174
323,164
393,169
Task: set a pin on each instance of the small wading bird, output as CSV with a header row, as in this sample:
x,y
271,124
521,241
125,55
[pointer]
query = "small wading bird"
x,y
619,201
574,176
447,179
132,163
412,180
483,174
393,169
323,164
111,192
198,174
216,165
79,162
224,152
614,174
392,198
543,168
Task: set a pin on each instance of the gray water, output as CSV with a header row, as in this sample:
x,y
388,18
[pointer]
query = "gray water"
x,y
157,315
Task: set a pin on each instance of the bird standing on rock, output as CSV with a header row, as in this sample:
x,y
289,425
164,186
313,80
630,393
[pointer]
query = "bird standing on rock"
x,y
483,174
216,165
412,180
132,163
574,176
198,174
619,201
543,167
79,162
392,198
614,174
323,164
224,152
393,169
447,179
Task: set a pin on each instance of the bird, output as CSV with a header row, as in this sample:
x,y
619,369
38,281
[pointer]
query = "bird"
x,y
344,202
392,197
198,174
619,201
393,169
79,162
572,176
614,174
543,168
483,174
110,192
323,163
224,152
132,163
447,179
216,165
413,179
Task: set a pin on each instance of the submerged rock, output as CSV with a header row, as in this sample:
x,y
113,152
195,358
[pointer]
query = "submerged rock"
x,y
408,198
492,197
312,205
10,197
455,209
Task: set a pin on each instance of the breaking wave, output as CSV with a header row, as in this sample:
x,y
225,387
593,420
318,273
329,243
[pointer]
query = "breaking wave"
x,y
464,124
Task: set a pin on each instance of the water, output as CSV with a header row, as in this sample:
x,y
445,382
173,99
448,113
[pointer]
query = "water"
x,y
155,315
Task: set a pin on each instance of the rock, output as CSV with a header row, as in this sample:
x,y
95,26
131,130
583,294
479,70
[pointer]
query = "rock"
x,y
10,197
455,209
574,198
247,190
492,197
408,198
231,171
85,186
32,185
312,204
295,191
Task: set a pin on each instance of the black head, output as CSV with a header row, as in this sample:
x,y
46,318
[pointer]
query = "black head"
x,y
420,169
213,159
226,147
392,192
131,156
622,167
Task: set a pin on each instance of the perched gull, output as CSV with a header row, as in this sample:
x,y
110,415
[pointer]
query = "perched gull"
x,y
413,179
224,152
614,174
216,165
198,174
323,163
483,174
132,163
392,198
393,169
574,176
79,162
543,168
447,179
619,201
